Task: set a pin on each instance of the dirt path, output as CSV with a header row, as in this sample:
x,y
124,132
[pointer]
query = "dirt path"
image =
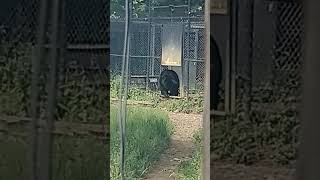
x,y
180,149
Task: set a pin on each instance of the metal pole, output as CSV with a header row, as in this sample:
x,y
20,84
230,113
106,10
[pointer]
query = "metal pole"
x,y
230,94
36,62
206,118
309,156
124,88
46,131
149,47
188,50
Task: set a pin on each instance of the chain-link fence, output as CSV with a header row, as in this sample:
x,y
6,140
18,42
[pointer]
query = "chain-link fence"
x,y
146,49
76,36
274,65
265,125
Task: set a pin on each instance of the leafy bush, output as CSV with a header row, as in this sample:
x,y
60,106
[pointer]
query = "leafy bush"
x,y
265,136
15,78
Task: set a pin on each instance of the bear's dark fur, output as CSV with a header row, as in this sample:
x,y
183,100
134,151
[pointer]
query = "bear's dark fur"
x,y
169,83
215,73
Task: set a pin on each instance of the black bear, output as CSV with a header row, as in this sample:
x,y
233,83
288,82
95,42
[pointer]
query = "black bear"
x,y
169,83
215,74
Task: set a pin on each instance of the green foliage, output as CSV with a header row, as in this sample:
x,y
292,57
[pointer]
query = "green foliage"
x,y
13,157
15,77
265,136
79,158
147,136
78,100
193,104
191,169
74,158
141,7
81,100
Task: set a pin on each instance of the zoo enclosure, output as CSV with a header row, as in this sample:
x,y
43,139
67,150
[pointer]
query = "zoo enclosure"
x,y
269,55
54,56
145,47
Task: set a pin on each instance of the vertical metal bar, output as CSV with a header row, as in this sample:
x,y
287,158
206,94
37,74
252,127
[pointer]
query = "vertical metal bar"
x,y
188,50
206,118
124,87
46,134
196,46
149,46
309,156
231,95
35,90
250,72
228,72
153,30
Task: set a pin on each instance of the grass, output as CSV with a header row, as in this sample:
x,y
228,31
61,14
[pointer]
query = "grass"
x,y
79,158
74,158
148,134
191,169
193,104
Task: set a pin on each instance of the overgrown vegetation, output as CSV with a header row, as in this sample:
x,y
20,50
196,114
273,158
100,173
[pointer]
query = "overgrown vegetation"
x,y
15,76
140,7
193,104
79,158
191,169
270,136
79,100
147,136
75,158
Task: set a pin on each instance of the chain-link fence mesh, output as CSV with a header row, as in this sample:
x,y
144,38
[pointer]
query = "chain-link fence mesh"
x,y
146,49
268,86
18,21
82,98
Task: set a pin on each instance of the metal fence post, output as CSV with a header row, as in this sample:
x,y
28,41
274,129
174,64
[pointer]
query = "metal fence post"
x,y
35,90
309,157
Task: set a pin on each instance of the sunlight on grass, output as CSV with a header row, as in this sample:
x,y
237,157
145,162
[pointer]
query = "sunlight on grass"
x,y
191,170
147,136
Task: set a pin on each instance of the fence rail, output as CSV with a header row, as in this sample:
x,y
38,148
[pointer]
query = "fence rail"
x,y
145,52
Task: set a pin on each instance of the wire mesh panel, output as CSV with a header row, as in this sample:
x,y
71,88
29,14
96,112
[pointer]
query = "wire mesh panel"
x,y
146,51
277,57
288,54
18,23
83,101
83,98
269,64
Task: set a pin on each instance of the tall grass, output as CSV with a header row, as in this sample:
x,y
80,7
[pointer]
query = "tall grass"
x,y
148,134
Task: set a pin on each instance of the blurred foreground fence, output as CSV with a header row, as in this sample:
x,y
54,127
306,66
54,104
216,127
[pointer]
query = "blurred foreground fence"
x,y
264,120
54,58
270,52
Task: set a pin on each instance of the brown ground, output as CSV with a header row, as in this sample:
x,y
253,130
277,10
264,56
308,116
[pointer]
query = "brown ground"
x,y
180,149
